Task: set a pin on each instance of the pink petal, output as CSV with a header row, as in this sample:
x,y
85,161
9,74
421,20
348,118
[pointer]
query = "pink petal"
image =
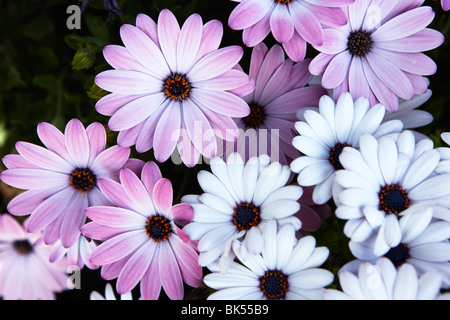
x,y
77,143
150,175
170,274
163,196
199,130
115,217
25,202
120,58
256,33
128,82
357,81
97,140
43,157
215,63
247,13
74,219
228,80
337,70
391,76
135,268
189,42
53,139
112,102
257,58
167,132
116,194
404,25
295,48
416,63
329,16
148,26
135,112
211,37
151,283
145,137
110,160
306,24
424,40
168,33
273,59
136,191
187,258
118,247
34,179
182,213
144,50
222,102
277,84
281,24
334,42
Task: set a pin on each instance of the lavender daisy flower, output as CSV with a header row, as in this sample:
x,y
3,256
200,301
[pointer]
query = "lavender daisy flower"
x,y
61,179
378,54
173,87
140,240
25,270
280,91
293,23
239,199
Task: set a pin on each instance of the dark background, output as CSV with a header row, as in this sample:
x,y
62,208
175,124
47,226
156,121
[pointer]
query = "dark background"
x,y
43,79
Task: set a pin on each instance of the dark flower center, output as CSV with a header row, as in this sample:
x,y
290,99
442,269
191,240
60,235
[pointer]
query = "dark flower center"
x,y
177,87
335,152
274,284
398,255
158,228
393,199
23,247
359,43
246,215
282,1
255,118
82,180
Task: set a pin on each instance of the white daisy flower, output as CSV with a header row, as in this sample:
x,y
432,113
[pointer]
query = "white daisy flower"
x,y
238,200
446,137
286,269
324,134
424,244
382,281
109,294
386,179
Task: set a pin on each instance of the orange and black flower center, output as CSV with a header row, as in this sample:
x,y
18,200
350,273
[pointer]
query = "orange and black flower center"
x,y
393,199
158,228
82,180
359,43
256,117
23,247
177,87
283,1
274,284
246,215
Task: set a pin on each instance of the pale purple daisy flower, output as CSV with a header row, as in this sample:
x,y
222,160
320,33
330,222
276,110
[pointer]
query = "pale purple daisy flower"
x,y
61,179
280,91
378,54
141,241
25,270
173,87
293,23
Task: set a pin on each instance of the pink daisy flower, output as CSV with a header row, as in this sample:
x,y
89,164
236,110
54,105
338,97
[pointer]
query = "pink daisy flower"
x,y
25,270
280,91
293,23
141,241
445,4
378,54
61,179
173,87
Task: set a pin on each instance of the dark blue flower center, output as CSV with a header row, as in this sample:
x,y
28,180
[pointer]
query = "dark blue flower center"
x,y
246,215
177,87
398,255
359,43
393,199
22,247
158,228
82,180
335,152
274,284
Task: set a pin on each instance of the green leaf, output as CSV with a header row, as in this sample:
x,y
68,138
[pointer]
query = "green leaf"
x,y
84,59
